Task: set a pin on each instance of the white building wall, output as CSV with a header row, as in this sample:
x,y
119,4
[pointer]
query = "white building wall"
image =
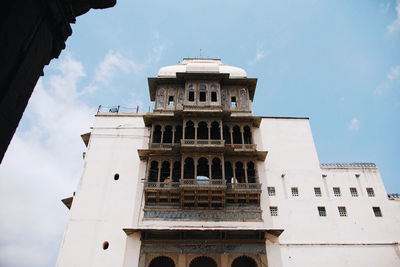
x,y
102,207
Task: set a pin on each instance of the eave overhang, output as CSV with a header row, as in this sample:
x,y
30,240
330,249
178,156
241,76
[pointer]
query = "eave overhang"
x,y
171,230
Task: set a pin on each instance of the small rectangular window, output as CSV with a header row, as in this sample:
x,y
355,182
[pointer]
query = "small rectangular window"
x,y
202,96
295,192
233,102
336,192
370,192
170,101
353,192
214,96
377,211
342,211
322,211
271,191
317,191
191,96
273,211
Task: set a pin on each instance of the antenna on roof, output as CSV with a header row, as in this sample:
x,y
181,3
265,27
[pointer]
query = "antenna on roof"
x,y
200,52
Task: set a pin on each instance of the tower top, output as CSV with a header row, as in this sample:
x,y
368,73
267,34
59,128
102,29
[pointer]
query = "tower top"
x,y
201,65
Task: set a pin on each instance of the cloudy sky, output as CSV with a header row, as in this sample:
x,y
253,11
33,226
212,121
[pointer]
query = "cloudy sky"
x,y
337,62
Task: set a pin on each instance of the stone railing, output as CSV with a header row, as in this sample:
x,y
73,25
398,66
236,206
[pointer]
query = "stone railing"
x,y
202,142
161,185
242,186
202,183
348,165
243,146
160,145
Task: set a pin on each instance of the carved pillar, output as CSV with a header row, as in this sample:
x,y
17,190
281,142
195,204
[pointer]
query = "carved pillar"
x,y
209,131
245,172
230,132
173,134
242,134
182,167
234,171
210,167
195,133
183,129
195,167
223,167
158,171
162,134
221,131
171,166
152,133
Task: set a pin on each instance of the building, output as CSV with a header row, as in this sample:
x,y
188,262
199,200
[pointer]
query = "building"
x,y
200,181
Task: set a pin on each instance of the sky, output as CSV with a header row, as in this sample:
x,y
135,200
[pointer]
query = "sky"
x,y
336,62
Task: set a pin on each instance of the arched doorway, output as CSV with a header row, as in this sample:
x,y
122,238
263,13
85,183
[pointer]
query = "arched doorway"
x,y
203,261
244,261
162,261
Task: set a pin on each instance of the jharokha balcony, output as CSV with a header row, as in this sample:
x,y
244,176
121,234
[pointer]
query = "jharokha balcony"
x,y
201,193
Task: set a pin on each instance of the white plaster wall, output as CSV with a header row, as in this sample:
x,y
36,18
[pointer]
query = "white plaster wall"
x,y
311,240
102,207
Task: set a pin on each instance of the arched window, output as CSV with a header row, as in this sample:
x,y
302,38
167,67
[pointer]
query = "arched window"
x,y
176,172
202,130
162,261
247,135
178,134
153,171
237,136
157,134
189,130
203,168
188,169
239,172
165,170
216,170
227,135
215,131
202,87
203,261
228,172
244,261
167,137
251,172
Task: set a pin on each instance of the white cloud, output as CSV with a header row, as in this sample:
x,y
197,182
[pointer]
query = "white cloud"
x,y
259,56
354,125
41,166
112,63
386,85
395,26
394,73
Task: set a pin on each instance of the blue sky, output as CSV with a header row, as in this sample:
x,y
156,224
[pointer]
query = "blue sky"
x,y
337,62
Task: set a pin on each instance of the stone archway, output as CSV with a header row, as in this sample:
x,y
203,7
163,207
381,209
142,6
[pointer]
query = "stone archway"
x,y
244,261
162,261
203,261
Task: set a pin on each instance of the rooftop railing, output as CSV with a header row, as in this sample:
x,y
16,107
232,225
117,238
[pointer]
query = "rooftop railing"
x,y
348,165
394,196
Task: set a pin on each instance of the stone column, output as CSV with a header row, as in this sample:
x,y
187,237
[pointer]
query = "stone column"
x,y
242,134
162,134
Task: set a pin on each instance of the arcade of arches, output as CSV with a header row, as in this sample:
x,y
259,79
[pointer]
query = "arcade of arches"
x,y
202,130
205,167
205,261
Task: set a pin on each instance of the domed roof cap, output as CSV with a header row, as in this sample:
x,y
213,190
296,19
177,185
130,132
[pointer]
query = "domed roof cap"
x,y
201,65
